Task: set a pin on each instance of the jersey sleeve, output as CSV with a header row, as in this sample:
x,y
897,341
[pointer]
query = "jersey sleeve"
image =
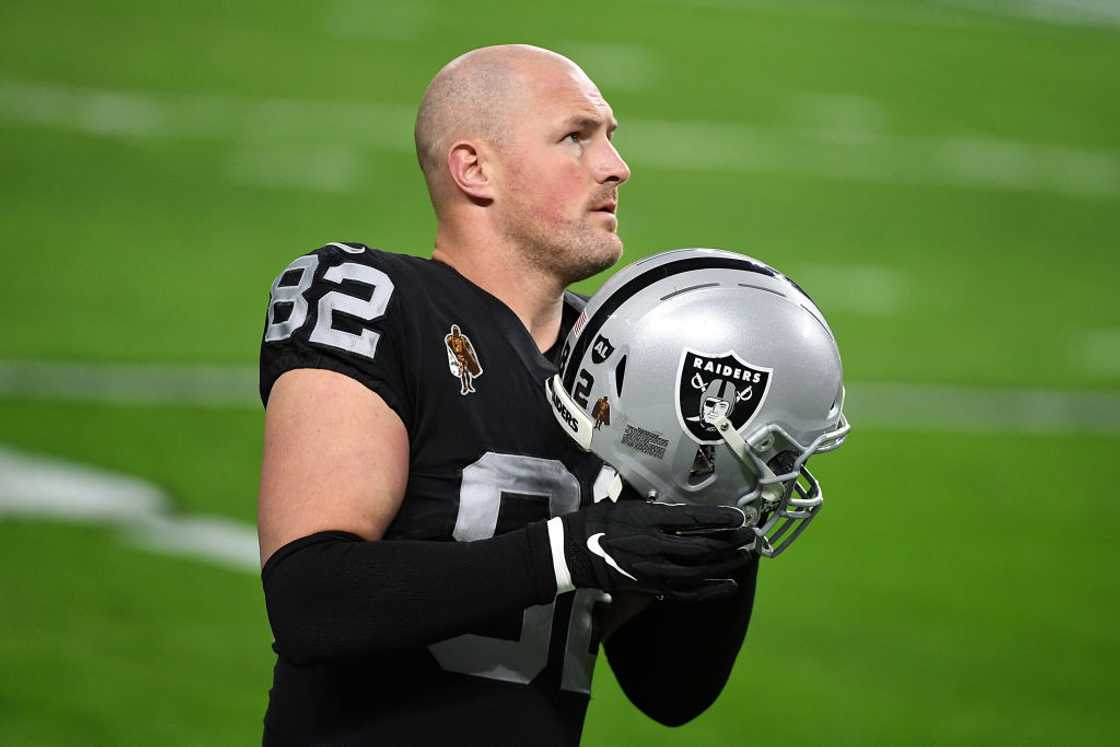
x,y
339,308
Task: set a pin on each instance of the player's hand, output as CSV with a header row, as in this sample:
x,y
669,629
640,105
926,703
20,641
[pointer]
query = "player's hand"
x,y
674,551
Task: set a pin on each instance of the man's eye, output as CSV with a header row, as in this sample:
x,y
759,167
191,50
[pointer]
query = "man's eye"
x,y
575,137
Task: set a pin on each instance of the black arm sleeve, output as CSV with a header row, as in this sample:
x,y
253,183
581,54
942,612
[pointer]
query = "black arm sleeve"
x,y
332,594
673,659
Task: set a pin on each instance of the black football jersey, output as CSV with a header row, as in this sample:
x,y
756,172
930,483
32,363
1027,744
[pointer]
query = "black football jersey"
x,y
486,456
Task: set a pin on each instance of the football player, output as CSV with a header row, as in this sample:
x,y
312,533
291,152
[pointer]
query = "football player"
x,y
438,557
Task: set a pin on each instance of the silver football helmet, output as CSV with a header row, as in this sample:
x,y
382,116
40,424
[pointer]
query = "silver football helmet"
x,y
705,376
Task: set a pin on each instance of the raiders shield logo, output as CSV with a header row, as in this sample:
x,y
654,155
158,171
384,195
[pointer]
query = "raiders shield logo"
x,y
710,385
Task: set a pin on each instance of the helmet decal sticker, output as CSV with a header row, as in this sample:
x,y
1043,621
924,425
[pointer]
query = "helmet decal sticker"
x,y
583,388
601,350
646,442
710,385
601,412
462,360
578,326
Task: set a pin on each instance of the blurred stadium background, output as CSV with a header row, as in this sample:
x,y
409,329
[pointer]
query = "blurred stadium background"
x,y
944,177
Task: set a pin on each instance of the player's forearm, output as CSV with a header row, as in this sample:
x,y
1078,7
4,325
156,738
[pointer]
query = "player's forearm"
x,y
673,660
333,595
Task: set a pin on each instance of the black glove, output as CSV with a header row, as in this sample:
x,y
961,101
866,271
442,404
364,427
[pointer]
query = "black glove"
x,y
674,551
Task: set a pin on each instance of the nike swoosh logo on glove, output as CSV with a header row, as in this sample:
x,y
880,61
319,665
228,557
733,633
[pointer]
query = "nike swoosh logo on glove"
x,y
596,549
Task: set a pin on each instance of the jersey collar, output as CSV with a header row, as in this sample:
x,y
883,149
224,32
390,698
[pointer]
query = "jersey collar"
x,y
540,365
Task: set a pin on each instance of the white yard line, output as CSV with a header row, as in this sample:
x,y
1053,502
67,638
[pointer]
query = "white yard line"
x,y
839,114
907,13
875,157
213,538
193,116
191,386
844,144
44,486
912,407
615,67
361,19
950,14
872,405
1071,12
1098,351
321,168
868,290
40,487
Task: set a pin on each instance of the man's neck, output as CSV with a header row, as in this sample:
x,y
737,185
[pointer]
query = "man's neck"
x,y
533,295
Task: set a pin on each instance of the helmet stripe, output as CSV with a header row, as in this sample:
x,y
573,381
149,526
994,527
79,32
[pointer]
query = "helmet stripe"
x,y
641,282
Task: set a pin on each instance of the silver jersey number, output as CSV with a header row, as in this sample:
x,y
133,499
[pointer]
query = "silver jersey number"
x,y
325,333
523,659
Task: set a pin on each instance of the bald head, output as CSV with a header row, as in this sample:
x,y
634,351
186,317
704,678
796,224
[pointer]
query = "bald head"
x,y
477,95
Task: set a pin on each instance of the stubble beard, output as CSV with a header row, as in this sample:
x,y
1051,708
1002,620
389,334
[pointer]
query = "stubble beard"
x,y
570,252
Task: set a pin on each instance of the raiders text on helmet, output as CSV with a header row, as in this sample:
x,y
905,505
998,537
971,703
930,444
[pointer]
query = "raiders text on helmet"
x,y
708,377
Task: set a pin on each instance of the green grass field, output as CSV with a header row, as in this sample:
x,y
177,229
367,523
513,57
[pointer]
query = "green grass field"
x,y
943,177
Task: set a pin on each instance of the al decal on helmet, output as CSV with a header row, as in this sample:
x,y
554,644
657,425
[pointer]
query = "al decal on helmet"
x,y
712,386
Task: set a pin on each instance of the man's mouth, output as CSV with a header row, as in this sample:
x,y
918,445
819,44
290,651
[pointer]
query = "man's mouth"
x,y
607,207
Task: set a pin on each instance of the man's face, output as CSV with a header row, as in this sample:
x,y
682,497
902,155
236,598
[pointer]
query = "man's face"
x,y
560,175
715,408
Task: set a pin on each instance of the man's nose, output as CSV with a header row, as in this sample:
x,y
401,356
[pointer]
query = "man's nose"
x,y
612,168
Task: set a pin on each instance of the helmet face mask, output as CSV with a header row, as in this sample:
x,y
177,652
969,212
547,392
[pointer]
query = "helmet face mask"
x,y
704,376
785,501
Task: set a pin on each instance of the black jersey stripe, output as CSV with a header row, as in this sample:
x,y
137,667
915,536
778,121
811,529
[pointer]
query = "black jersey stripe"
x,y
635,286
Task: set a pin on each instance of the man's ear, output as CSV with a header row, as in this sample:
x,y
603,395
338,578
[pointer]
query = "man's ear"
x,y
471,168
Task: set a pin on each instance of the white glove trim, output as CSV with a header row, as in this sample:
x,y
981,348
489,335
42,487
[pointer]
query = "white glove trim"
x,y
559,562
